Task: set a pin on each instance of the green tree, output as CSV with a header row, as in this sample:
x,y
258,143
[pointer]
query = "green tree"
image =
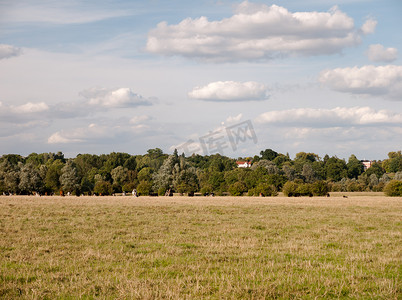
x,y
290,172
69,179
130,163
114,160
290,189
376,169
237,189
304,189
9,174
320,188
393,188
145,174
306,157
86,186
280,160
144,188
335,169
398,175
355,167
373,181
270,166
163,179
52,177
265,189
30,180
268,154
103,188
119,175
308,173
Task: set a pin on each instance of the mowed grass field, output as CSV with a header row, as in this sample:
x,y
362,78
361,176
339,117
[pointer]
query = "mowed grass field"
x,y
200,247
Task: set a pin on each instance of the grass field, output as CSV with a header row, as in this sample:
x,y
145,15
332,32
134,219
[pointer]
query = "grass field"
x,y
201,247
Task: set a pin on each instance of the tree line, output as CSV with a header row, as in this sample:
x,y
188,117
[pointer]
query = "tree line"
x,y
157,173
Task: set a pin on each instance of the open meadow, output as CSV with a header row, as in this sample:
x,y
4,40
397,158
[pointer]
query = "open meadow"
x,y
201,247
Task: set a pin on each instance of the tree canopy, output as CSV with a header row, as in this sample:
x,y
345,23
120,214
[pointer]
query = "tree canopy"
x,y
157,172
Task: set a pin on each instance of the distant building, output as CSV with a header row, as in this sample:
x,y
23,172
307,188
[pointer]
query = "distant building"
x,y
243,164
367,164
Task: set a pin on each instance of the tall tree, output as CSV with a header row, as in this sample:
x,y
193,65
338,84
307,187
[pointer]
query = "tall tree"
x,y
336,169
268,154
163,179
30,179
69,179
308,173
355,167
52,178
9,175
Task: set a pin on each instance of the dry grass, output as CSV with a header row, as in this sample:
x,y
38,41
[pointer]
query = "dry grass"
x,y
201,247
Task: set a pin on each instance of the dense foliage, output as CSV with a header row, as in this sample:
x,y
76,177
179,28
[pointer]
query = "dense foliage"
x,y
157,173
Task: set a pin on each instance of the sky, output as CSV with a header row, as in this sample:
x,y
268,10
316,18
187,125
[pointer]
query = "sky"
x,y
206,77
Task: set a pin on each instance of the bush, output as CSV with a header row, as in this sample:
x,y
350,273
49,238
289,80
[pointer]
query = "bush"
x,y
393,188
252,192
379,187
128,187
103,188
265,189
293,189
206,189
354,187
116,188
320,188
161,191
289,189
304,189
335,187
237,189
144,188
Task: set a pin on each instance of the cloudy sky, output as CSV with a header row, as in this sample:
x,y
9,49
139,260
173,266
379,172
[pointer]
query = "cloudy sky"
x,y
202,76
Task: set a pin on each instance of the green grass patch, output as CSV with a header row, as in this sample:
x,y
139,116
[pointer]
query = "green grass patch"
x,y
200,248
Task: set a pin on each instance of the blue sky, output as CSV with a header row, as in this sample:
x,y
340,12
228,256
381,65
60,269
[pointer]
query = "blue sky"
x,y
127,76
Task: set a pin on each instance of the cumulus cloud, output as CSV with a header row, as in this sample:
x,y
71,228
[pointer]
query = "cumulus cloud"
x,y
30,107
7,51
114,98
232,119
82,134
339,116
103,132
24,111
367,80
258,32
369,26
379,53
139,119
230,91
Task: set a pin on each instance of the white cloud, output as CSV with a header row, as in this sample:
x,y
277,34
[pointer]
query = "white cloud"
x,y
369,26
232,119
58,138
103,132
139,119
378,52
78,135
230,91
7,51
256,32
56,12
367,80
121,97
28,110
339,116
30,107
